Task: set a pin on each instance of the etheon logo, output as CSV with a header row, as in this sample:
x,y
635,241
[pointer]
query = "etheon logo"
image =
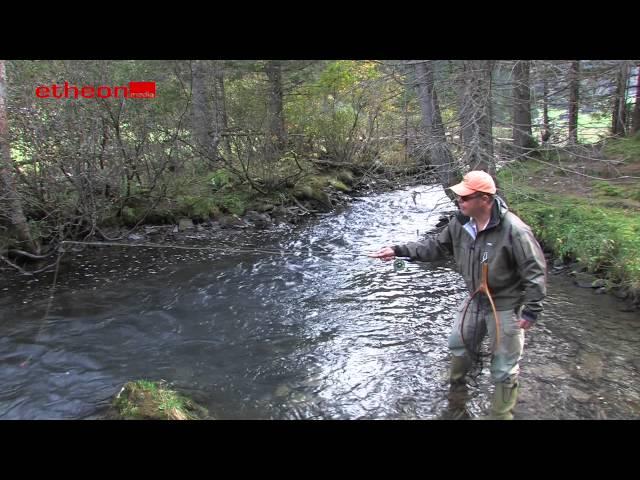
x,y
134,90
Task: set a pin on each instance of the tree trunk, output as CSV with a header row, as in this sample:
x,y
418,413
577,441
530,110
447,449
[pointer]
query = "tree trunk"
x,y
546,127
405,112
277,131
200,110
522,136
574,101
221,105
619,117
635,128
9,199
433,128
475,115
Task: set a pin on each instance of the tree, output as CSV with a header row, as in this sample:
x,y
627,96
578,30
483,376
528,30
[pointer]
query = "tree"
x,y
200,108
8,192
433,128
522,136
277,131
635,127
220,104
619,116
475,115
574,99
546,128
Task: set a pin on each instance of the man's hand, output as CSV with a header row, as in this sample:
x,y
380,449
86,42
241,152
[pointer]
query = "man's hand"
x,y
385,254
525,324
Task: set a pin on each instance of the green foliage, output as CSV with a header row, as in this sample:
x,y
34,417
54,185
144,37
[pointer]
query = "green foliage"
x,y
197,207
605,238
235,202
605,188
144,399
220,178
626,148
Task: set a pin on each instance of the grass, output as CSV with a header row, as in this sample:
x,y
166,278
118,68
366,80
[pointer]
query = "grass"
x,y
144,399
602,231
606,240
627,149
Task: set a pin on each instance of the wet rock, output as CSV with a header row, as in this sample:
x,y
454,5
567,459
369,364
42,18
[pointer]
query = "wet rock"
x,y
154,233
598,283
282,391
559,270
185,224
135,237
264,207
576,268
591,365
279,213
601,290
558,263
583,280
231,221
578,395
260,220
627,307
619,292
550,371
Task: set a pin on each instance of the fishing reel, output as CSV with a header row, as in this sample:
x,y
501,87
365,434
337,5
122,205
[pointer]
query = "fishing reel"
x,y
399,264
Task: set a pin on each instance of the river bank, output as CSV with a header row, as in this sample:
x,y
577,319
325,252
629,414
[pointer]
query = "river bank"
x,y
585,211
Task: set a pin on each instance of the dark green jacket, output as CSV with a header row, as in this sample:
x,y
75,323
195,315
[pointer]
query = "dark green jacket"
x,y
517,267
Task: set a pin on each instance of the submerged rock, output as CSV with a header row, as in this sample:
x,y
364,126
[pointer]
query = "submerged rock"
x,y
259,220
584,280
185,224
231,221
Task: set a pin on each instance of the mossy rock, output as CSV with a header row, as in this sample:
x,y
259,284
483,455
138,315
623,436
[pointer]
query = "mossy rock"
x,y
338,185
308,192
146,400
346,176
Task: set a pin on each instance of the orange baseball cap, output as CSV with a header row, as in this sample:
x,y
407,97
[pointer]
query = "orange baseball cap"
x,y
475,181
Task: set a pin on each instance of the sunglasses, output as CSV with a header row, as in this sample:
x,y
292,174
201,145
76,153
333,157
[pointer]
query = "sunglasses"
x,y
466,198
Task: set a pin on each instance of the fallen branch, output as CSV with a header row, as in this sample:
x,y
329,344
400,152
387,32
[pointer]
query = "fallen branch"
x,y
22,270
306,210
22,253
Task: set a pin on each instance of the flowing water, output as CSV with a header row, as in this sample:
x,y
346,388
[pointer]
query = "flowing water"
x,y
298,323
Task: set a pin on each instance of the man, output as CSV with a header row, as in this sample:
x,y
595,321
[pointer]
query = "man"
x,y
484,231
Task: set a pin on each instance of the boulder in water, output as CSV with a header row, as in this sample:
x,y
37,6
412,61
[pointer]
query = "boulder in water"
x,y
259,220
584,280
231,221
185,224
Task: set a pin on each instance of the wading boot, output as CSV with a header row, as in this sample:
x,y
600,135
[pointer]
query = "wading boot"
x,y
504,400
458,391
